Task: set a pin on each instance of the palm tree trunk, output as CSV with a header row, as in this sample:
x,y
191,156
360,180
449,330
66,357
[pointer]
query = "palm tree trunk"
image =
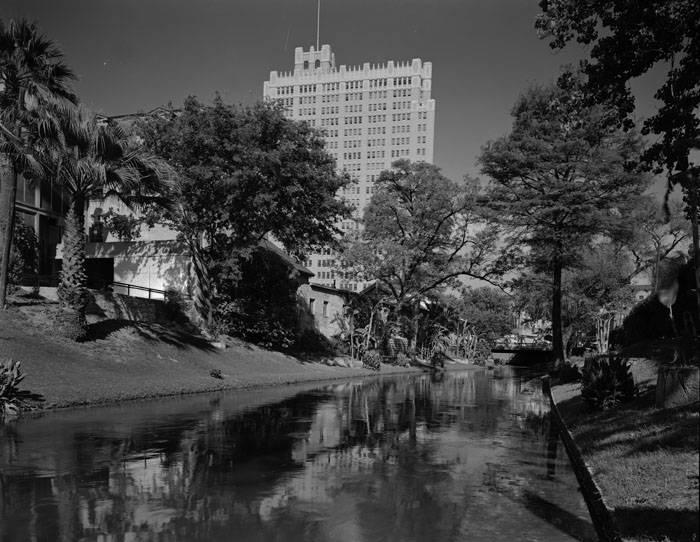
x,y
72,288
8,194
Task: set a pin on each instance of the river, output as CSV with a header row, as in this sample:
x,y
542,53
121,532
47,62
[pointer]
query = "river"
x,y
460,457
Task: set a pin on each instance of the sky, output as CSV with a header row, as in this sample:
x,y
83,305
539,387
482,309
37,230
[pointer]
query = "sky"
x,y
133,55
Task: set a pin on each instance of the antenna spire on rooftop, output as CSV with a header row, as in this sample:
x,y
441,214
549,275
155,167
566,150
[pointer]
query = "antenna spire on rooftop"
x,y
318,22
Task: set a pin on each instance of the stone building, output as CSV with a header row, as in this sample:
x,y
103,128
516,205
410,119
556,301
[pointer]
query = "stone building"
x,y
371,115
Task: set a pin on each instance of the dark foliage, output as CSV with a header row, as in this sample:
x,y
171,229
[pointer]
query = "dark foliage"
x,y
371,360
12,399
24,254
482,352
402,360
607,381
260,307
566,372
312,341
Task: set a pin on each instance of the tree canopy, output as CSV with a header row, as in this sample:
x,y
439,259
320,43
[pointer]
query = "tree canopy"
x,y
487,310
419,233
628,39
244,173
559,179
33,88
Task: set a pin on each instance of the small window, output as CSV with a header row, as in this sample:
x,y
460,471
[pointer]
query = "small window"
x,y
325,308
312,302
306,64
317,64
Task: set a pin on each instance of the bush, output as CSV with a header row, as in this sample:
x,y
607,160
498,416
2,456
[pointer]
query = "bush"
x,y
176,306
606,381
482,352
257,327
314,342
371,360
24,253
12,399
566,373
402,360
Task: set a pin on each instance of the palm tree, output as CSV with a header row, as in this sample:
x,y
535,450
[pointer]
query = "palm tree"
x,y
33,89
99,159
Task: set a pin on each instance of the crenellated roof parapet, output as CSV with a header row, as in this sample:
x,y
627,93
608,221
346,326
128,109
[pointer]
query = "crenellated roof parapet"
x,y
319,67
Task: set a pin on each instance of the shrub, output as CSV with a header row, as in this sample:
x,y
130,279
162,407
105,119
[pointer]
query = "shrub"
x,y
257,328
24,253
175,305
402,360
567,372
482,352
606,381
313,341
12,399
371,360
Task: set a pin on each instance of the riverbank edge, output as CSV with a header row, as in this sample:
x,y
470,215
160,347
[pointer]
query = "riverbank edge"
x,y
387,370
600,511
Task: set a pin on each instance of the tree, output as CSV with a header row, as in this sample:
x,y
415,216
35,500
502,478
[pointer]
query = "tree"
x,y
33,85
559,179
597,285
652,237
629,39
488,310
96,160
244,173
419,235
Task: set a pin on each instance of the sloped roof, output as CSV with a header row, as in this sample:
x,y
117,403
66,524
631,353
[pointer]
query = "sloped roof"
x,y
267,245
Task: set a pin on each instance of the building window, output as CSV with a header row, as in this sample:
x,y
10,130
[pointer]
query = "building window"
x,y
312,302
325,308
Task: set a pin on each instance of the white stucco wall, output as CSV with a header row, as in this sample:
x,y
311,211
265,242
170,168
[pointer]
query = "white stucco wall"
x,y
161,265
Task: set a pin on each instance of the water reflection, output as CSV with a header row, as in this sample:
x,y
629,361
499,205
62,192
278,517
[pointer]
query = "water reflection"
x,y
392,459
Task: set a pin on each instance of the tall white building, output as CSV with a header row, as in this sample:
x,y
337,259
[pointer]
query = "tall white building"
x,y
371,114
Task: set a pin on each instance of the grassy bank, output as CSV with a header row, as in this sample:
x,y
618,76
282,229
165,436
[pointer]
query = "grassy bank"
x,y
127,360
644,459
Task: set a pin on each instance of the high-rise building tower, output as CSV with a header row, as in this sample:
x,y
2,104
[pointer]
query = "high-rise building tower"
x,y
371,115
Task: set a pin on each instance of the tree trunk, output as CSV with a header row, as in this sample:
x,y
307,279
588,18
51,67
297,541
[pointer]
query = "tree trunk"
x,y
557,335
415,321
694,204
72,287
8,194
202,287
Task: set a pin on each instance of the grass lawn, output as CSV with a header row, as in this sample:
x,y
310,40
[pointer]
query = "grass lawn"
x,y
644,459
130,360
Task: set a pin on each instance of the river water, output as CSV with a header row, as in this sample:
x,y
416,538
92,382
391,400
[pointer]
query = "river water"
x,y
462,457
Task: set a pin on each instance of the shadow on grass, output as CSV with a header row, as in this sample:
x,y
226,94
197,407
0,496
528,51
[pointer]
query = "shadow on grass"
x,y
149,332
560,518
656,524
643,429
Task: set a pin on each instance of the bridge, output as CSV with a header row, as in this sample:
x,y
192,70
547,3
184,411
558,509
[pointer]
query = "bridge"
x,y
502,348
